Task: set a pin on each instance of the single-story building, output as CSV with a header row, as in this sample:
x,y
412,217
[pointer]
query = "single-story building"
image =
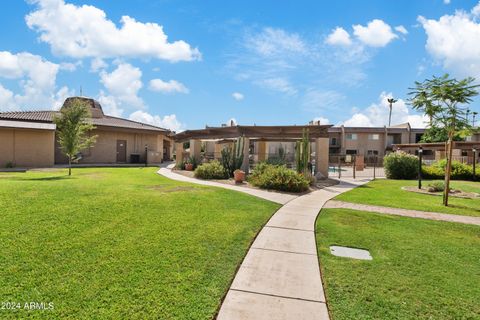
x,y
28,139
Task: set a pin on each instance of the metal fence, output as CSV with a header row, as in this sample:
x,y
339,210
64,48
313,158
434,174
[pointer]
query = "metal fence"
x,y
353,166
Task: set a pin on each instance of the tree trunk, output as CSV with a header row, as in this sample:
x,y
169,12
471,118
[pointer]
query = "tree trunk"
x,y
448,169
69,166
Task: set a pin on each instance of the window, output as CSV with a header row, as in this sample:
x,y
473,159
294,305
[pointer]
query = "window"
x,y
334,142
372,152
351,151
374,136
351,136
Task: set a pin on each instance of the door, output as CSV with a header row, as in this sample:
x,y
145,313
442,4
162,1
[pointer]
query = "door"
x,y
121,150
166,150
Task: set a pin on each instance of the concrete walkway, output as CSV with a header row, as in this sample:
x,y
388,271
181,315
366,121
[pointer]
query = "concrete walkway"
x,y
277,197
280,275
404,212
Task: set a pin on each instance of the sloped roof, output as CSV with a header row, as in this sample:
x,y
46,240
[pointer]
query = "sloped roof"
x,y
106,121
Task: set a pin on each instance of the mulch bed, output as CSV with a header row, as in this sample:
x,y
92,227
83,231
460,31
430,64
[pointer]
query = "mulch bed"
x,y
453,193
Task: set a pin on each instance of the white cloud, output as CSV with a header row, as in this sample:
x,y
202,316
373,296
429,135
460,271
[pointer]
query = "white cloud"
x,y
273,41
376,115
169,121
237,96
7,102
401,29
339,36
36,78
446,1
376,34
109,105
85,31
124,83
278,84
61,96
69,66
171,86
97,64
454,41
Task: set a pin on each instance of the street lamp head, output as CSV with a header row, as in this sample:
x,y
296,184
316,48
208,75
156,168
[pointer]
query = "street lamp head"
x,y
420,150
391,100
474,150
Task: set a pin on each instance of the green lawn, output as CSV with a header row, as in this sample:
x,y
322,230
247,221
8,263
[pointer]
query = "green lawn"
x,y
120,243
420,269
388,193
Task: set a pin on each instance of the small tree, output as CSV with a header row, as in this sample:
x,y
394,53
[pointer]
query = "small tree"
x,y
73,129
443,100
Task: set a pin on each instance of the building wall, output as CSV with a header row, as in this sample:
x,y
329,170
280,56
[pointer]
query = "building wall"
x,y
27,147
105,148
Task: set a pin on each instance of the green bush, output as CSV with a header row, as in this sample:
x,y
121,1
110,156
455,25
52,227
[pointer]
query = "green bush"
x,y
210,170
400,165
437,186
460,171
274,177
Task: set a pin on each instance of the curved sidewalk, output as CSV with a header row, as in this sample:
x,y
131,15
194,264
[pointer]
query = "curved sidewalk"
x,y
280,275
277,197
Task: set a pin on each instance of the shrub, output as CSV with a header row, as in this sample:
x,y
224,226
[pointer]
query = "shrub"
x,y
460,171
437,186
432,172
210,170
267,176
10,164
400,165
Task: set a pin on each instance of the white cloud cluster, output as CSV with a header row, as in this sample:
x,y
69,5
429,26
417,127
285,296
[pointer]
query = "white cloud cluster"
x,y
376,33
339,36
169,121
273,41
36,78
237,96
170,86
376,115
85,31
123,84
454,41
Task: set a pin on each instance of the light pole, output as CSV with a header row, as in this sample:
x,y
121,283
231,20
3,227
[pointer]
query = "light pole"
x,y
420,154
391,101
474,162
146,155
474,115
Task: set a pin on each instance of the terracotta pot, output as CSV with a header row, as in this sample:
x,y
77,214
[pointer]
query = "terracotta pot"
x,y
239,176
189,166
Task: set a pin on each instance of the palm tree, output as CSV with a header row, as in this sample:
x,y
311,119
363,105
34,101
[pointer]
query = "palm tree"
x,y
391,101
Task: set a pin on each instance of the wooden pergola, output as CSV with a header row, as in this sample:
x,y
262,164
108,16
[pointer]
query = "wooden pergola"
x,y
270,133
263,134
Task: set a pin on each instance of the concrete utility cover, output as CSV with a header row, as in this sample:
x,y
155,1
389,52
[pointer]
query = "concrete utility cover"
x,y
350,253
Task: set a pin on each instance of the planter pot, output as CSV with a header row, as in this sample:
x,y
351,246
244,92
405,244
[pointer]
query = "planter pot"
x,y
239,176
189,166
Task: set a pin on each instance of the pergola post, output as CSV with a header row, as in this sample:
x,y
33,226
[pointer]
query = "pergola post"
x,y
321,156
179,153
262,150
218,151
246,158
195,148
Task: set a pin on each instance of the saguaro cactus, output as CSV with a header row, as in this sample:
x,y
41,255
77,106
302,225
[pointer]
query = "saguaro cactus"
x,y
232,157
302,156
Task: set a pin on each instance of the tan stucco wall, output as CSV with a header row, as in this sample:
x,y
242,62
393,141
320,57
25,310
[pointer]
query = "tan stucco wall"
x,y
27,147
105,148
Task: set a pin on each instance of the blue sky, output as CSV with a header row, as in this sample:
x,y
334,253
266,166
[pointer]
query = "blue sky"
x,y
185,64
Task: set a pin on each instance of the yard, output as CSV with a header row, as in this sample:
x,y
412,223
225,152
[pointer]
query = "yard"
x,y
389,193
421,269
121,243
